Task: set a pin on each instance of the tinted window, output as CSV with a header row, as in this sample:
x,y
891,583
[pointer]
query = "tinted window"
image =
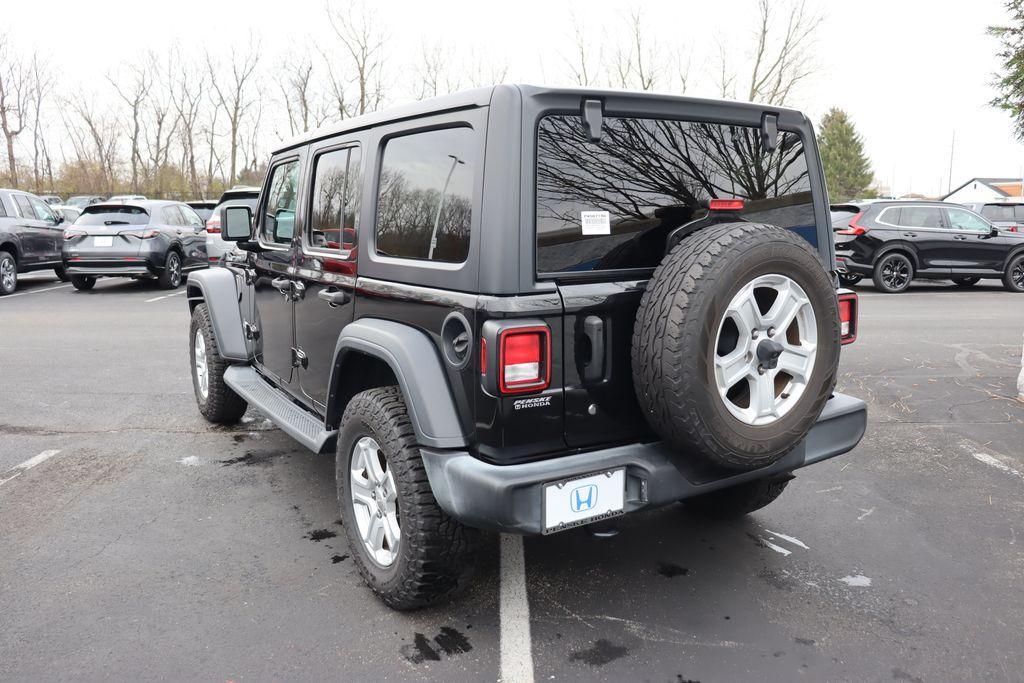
x,y
961,219
24,208
890,216
920,217
192,219
41,210
335,207
279,211
1018,212
611,204
998,212
424,203
841,218
113,215
172,216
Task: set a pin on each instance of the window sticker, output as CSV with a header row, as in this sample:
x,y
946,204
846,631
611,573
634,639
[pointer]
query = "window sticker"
x,y
596,222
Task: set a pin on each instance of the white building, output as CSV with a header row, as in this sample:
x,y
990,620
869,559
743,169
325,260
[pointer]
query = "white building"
x,y
985,190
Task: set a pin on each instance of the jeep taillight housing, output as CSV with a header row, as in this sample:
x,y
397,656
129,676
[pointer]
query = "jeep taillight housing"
x,y
524,359
848,310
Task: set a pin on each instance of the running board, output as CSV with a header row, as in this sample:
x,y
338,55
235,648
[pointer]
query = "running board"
x,y
295,421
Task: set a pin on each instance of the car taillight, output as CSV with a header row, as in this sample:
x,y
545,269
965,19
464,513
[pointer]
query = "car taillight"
x,y
725,205
524,359
213,224
483,356
848,305
855,228
72,234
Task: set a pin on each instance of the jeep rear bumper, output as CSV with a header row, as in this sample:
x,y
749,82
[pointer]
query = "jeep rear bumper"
x,y
508,497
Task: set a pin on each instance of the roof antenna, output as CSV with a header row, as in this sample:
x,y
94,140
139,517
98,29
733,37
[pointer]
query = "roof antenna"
x,y
769,132
593,117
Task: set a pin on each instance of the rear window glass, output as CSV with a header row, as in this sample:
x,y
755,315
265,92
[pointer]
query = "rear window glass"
x,y
424,203
610,205
841,218
998,212
113,215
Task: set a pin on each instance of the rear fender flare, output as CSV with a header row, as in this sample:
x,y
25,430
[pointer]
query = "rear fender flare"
x,y
1014,253
416,364
218,289
901,247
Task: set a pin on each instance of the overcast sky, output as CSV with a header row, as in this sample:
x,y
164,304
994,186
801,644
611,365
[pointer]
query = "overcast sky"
x,y
908,73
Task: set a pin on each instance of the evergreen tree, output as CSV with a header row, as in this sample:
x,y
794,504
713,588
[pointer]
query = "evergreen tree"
x,y
847,169
1010,84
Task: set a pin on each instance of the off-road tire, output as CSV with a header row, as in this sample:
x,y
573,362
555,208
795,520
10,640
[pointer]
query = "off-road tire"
x,y
436,554
7,261
61,273
83,283
737,501
170,278
966,281
878,277
849,280
221,405
1011,278
674,342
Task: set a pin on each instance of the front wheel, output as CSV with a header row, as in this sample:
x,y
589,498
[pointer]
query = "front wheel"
x,y
1013,279
170,277
407,549
893,273
216,400
737,501
8,273
61,273
966,281
83,283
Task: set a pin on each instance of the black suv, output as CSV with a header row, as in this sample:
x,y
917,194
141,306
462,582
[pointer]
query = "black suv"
x,y
30,238
525,310
894,242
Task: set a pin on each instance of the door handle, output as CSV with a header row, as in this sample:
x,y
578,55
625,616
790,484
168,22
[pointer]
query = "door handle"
x,y
593,330
334,297
911,234
282,284
959,237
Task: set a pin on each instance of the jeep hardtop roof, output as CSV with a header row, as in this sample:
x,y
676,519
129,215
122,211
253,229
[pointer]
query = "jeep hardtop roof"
x,y
480,97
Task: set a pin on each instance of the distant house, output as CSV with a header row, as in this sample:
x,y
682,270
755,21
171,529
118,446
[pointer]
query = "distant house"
x,y
985,190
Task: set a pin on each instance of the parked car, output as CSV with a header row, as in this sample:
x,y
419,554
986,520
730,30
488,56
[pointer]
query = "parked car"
x,y
137,239
536,338
203,207
126,198
51,199
84,200
30,238
67,212
240,195
1005,215
896,242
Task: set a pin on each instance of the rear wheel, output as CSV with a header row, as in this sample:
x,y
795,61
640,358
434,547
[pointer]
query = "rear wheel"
x,y
216,400
61,273
1013,279
736,344
170,276
83,282
407,549
966,281
8,273
737,501
893,273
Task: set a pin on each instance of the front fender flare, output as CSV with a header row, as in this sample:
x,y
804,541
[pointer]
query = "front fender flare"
x,y
218,289
414,360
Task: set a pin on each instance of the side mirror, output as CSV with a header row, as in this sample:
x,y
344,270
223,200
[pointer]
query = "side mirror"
x,y
58,216
993,231
236,222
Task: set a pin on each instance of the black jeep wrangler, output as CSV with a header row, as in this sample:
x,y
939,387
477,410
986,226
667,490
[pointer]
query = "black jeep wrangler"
x,y
525,309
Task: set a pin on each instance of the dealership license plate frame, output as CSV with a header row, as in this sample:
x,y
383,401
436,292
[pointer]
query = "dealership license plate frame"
x,y
103,241
614,511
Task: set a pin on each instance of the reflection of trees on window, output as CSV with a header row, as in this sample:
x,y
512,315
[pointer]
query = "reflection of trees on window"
x,y
279,221
336,200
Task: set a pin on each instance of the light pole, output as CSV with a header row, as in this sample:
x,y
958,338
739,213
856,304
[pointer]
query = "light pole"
x,y
440,203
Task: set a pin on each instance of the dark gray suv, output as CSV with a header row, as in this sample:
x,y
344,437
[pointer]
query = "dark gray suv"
x,y
30,238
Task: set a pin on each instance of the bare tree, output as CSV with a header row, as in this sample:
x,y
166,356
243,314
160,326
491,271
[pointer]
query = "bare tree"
x,y
304,102
16,96
133,90
584,66
782,58
160,124
231,93
42,164
363,42
188,94
434,73
96,134
635,62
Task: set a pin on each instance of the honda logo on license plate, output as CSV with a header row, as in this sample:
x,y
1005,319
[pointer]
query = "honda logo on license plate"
x,y
583,498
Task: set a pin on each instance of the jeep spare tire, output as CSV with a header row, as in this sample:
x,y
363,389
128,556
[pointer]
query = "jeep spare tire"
x,y
736,344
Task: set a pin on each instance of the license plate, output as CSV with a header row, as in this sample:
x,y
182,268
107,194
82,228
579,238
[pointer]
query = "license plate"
x,y
580,500
103,241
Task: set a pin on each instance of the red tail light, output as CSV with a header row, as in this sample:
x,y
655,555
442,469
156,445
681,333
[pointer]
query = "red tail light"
x,y
725,205
483,356
524,360
855,227
213,224
848,310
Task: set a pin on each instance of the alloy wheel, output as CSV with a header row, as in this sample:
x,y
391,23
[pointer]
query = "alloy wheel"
x,y
765,349
896,273
8,274
375,501
201,366
1017,274
174,266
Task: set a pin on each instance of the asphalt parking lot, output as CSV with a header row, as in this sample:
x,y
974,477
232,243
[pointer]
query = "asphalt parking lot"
x,y
143,543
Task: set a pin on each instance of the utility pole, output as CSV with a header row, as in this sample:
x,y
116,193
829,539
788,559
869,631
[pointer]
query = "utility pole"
x,y
952,145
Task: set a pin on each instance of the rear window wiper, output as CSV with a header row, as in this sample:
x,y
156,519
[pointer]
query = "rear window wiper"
x,y
116,223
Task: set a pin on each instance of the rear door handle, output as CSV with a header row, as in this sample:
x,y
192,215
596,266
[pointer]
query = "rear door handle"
x,y
334,297
593,329
959,237
282,284
911,234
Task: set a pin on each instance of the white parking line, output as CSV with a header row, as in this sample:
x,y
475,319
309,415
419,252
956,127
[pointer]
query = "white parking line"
x,y
998,464
34,291
514,613
165,296
28,464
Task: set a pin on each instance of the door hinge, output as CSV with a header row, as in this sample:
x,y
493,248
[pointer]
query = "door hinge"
x,y
250,330
299,359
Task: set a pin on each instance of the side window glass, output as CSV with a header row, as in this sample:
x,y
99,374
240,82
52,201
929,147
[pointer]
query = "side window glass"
x,y
41,210
965,220
890,216
425,196
171,215
278,224
24,208
192,219
920,217
1018,212
337,185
